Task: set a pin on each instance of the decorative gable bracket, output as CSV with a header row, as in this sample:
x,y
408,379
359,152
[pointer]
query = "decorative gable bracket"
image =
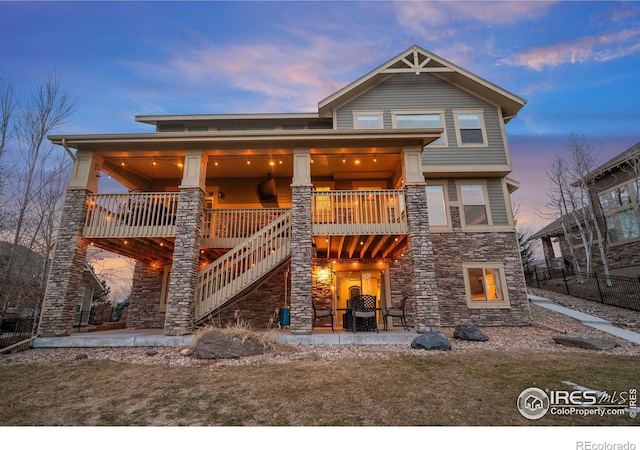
x,y
421,64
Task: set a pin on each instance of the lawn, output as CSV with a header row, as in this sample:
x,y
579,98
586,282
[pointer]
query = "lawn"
x,y
477,388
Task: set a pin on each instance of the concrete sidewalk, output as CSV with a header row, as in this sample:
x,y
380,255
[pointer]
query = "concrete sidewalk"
x,y
586,319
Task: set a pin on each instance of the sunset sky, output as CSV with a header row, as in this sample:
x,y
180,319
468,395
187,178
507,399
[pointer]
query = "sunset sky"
x,y
577,63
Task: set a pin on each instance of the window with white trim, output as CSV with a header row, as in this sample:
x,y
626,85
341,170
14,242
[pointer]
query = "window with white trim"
x,y
437,206
485,285
470,129
619,207
474,204
422,120
363,121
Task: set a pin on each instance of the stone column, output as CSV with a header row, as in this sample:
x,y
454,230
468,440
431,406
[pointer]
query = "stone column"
x,y
70,253
179,318
422,288
549,254
301,320
146,290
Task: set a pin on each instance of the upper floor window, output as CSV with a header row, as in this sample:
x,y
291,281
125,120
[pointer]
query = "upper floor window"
x,y
470,128
474,204
421,120
367,120
437,206
620,206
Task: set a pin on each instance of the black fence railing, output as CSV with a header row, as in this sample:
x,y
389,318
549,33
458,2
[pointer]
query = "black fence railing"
x,y
16,330
623,292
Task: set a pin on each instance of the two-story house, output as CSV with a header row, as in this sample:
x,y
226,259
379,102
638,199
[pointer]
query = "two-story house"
x,y
395,188
614,192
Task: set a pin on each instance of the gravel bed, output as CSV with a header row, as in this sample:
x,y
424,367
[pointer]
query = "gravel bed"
x,y
537,337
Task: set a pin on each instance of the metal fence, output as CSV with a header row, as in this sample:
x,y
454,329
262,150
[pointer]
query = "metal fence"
x,y
623,292
16,330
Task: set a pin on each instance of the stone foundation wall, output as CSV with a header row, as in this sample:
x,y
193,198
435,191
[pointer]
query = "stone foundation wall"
x,y
260,309
146,289
321,292
67,267
451,250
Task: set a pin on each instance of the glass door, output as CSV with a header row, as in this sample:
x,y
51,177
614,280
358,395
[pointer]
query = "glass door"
x,y
350,283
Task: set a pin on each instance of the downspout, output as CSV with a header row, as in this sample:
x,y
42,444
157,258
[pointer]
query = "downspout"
x,y
66,147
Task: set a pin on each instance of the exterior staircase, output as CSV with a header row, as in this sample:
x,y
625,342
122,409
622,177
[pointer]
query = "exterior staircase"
x,y
243,267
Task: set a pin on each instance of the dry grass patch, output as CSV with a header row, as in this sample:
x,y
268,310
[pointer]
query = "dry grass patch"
x,y
478,388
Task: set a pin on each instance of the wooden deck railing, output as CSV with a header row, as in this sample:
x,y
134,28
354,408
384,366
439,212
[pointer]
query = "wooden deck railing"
x,y
131,215
243,265
358,212
224,228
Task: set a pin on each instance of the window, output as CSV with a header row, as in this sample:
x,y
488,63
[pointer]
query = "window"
x,y
437,206
421,120
474,205
620,206
364,121
470,128
485,285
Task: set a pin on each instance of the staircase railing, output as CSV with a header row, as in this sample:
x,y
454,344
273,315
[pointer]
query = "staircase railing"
x,y
243,265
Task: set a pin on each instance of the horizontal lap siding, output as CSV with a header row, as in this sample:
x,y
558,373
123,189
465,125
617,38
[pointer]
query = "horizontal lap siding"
x,y
427,92
498,206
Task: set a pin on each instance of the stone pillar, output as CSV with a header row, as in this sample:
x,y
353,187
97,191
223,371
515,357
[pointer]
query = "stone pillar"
x,y
179,318
301,314
549,254
422,287
146,290
70,253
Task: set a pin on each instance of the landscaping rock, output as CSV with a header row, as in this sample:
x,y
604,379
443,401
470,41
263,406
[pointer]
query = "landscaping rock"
x,y
431,340
586,341
186,352
469,332
220,345
152,352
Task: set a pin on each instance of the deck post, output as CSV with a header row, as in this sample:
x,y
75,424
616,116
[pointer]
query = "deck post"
x,y
301,321
422,289
180,313
70,253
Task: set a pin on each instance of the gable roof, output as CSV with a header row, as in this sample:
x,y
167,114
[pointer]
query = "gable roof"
x,y
418,60
628,155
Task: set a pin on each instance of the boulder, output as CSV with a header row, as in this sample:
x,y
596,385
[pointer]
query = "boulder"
x,y
586,341
431,340
469,332
224,345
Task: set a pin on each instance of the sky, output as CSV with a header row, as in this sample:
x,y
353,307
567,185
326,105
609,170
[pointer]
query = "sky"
x,y
577,63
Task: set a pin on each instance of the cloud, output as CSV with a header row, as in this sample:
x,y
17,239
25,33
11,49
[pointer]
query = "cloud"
x,y
436,21
602,48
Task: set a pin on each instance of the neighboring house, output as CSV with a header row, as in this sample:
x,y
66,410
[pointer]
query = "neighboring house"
x,y
614,190
89,285
397,186
28,287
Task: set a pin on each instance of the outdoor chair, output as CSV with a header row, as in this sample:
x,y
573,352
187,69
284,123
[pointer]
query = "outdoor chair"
x,y
364,308
396,312
321,314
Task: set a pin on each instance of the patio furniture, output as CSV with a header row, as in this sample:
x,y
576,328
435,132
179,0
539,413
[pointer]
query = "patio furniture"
x,y
321,314
363,310
396,312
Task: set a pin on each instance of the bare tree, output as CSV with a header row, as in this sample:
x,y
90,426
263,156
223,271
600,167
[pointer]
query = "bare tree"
x,y
31,208
569,201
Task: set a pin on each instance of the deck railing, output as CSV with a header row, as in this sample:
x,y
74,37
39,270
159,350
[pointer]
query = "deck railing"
x,y
243,265
358,212
224,228
131,215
